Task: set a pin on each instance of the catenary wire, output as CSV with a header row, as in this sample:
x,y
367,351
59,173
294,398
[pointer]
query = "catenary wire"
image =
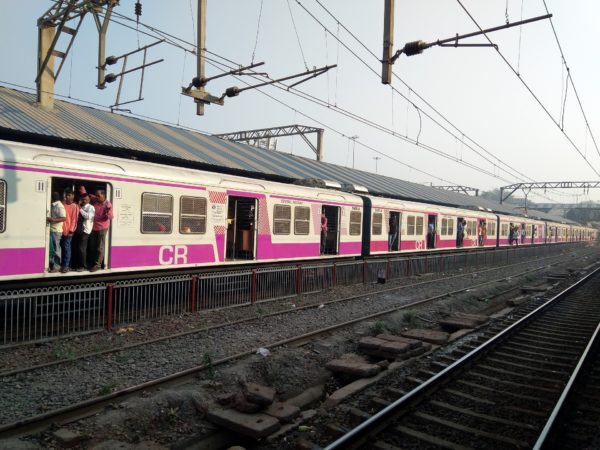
x,y
500,162
344,135
344,112
571,78
174,38
530,90
429,148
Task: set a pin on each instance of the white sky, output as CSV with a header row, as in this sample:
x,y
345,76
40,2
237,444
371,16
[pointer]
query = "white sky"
x,y
472,87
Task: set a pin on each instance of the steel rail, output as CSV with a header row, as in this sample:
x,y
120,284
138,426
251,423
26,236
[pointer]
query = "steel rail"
x,y
553,421
273,314
357,436
92,406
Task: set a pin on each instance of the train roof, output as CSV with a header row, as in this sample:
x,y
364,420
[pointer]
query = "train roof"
x,y
83,128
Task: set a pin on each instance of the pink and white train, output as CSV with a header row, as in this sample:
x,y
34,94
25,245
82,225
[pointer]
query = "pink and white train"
x,y
172,217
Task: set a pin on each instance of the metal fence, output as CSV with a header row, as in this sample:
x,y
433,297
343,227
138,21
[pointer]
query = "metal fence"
x,y
34,314
135,300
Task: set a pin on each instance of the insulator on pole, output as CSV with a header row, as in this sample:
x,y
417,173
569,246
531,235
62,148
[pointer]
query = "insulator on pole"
x,y
138,9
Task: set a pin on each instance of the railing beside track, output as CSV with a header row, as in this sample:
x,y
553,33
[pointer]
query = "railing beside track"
x,y
36,314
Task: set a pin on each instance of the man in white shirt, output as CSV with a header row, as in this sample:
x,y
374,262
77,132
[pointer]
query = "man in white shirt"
x,y
57,217
85,222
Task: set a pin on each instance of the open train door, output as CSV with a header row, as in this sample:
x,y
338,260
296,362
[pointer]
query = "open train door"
x,y
396,217
242,216
332,238
59,185
431,230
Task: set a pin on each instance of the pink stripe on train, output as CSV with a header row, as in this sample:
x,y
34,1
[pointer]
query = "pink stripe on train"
x,y
21,261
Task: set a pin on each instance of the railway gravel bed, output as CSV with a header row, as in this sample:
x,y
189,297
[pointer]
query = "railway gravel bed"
x,y
69,348
44,389
500,400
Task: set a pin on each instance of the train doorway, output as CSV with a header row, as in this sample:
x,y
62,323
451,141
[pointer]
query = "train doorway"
x,y
394,231
330,241
86,250
241,228
431,230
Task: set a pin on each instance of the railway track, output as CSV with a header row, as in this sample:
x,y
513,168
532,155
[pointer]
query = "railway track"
x,y
77,404
309,305
500,394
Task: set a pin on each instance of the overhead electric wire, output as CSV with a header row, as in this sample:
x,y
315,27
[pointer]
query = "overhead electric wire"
x,y
174,38
324,125
530,90
372,124
348,113
499,161
464,135
562,55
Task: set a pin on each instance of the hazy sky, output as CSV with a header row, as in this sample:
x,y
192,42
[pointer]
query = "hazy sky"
x,y
472,87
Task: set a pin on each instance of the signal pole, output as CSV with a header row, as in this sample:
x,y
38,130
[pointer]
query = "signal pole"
x,y
388,42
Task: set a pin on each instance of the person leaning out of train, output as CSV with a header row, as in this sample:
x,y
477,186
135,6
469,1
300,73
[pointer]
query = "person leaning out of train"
x,y
56,220
69,227
85,222
102,217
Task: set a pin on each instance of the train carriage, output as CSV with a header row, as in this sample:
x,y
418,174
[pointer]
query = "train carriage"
x,y
413,222
174,217
168,216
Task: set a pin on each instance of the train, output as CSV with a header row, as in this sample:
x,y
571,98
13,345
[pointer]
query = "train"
x,y
167,217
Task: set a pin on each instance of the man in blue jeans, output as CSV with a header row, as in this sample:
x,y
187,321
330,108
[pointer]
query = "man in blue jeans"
x,y
56,221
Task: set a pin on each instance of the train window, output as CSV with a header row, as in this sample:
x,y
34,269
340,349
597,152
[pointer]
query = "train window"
x,y
450,227
157,213
504,229
377,223
301,220
491,228
282,219
410,225
447,227
419,226
2,206
192,215
355,223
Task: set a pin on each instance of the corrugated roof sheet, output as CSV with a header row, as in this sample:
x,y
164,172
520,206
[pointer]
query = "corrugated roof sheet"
x,y
94,127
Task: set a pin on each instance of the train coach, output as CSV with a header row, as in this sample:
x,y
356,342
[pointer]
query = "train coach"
x,y
172,217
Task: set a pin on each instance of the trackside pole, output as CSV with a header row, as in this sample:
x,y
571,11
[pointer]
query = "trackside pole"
x,y
193,293
109,306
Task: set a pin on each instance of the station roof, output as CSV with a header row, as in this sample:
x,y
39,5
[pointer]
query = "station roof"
x,y
90,129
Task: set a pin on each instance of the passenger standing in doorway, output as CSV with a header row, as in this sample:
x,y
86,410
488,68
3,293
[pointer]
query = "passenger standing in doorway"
x,y
56,220
522,233
85,222
323,231
69,227
102,217
430,235
392,232
482,233
460,232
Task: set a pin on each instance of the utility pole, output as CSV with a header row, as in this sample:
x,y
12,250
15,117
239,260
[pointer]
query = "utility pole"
x,y
388,42
200,50
353,139
376,158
